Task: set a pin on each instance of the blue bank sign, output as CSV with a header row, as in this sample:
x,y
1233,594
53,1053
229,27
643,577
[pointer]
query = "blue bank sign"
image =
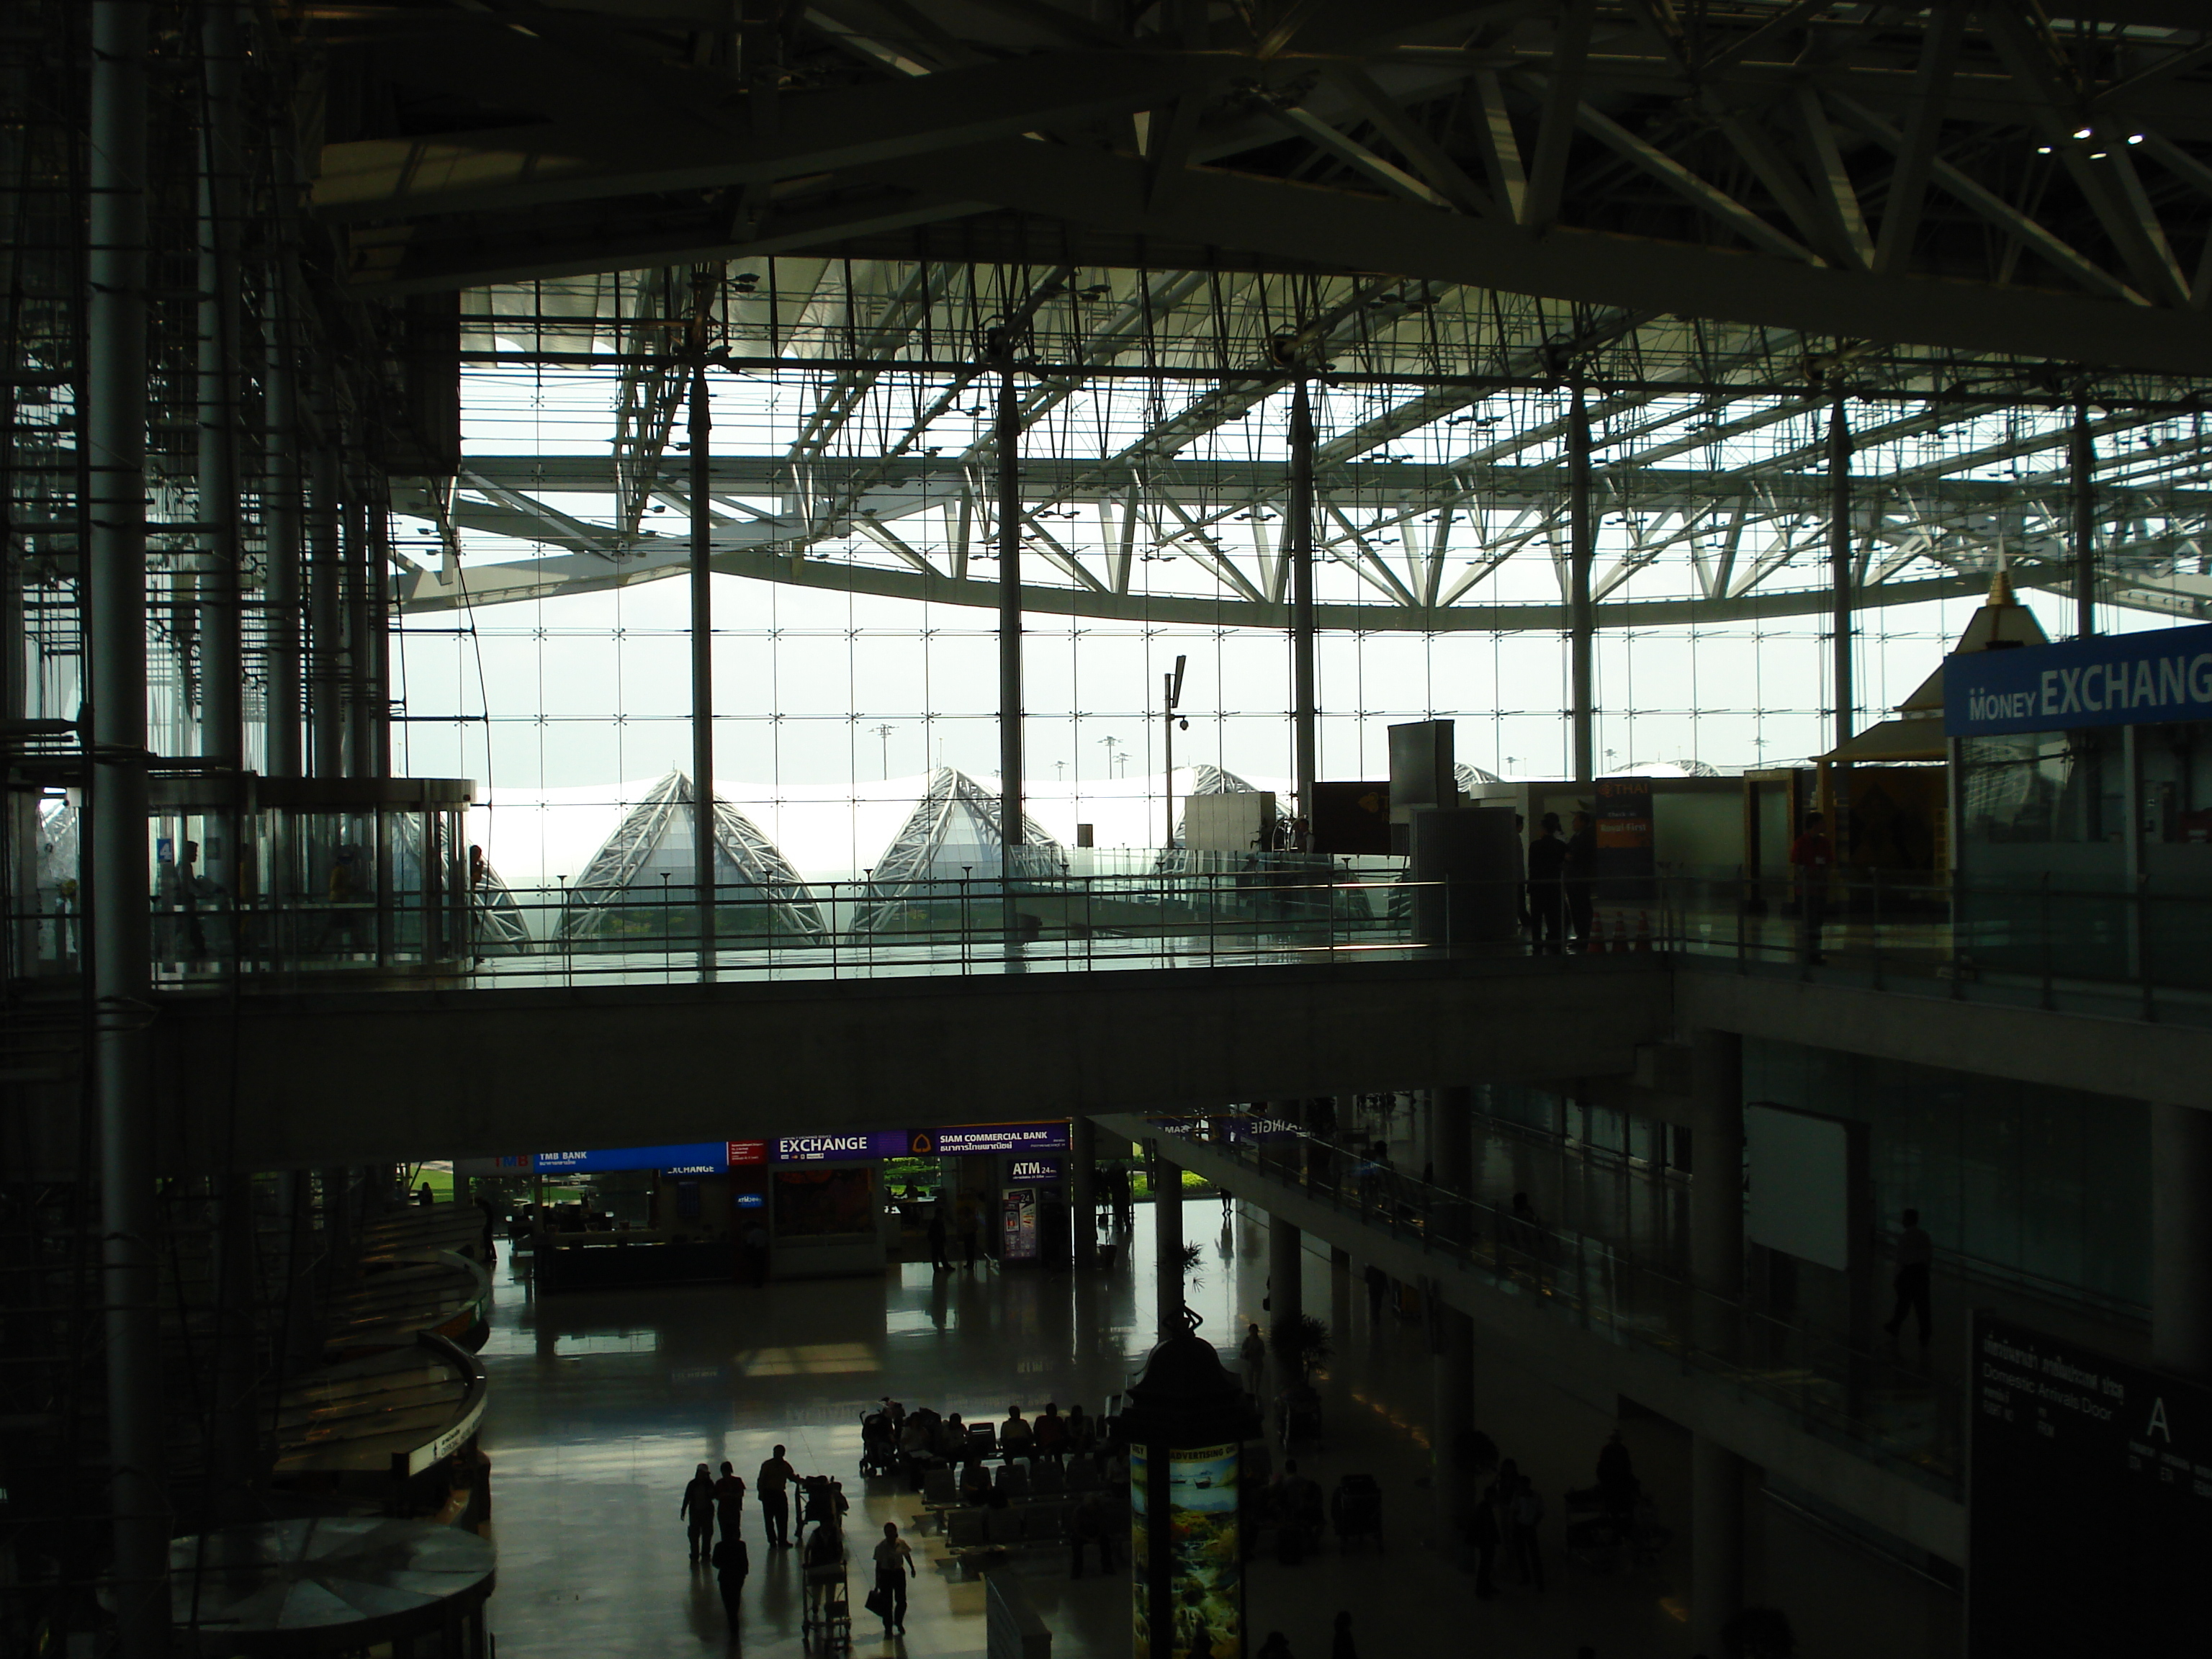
x,y
2121,679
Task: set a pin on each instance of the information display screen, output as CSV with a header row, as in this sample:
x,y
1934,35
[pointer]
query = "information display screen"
x,y
1018,1225
2089,1498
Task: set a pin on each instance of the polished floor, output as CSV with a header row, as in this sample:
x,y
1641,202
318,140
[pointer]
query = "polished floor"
x,y
602,1402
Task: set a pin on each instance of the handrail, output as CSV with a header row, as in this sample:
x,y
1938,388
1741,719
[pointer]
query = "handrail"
x,y
1902,1416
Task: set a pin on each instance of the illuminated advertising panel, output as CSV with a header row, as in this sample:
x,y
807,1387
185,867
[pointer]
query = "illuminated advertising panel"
x,y
1018,1237
1034,1172
694,1157
847,1148
1206,1580
1005,1138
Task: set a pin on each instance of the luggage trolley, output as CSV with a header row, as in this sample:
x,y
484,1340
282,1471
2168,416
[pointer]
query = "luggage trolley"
x,y
1356,1511
825,1624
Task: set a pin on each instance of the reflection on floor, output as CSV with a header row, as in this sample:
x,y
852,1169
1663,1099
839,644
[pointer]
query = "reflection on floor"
x,y
602,1401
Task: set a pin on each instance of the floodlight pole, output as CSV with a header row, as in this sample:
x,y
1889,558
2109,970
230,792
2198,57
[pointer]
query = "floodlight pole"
x,y
1305,749
1011,815
1582,614
2083,465
1840,567
1171,690
702,663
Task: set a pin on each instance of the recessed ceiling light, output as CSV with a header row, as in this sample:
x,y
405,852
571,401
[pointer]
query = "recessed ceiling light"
x,y
2082,132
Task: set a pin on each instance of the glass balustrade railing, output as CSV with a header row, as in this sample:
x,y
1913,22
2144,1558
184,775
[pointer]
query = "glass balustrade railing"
x,y
1842,1386
2131,951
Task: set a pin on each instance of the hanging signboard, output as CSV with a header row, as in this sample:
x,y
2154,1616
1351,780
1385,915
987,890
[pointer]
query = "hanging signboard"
x,y
693,1157
854,1147
1005,1137
1034,1172
2110,679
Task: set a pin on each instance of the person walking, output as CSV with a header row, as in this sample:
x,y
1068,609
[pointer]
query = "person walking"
x,y
1812,856
698,1513
1253,1350
969,1222
729,1501
1483,1533
1579,883
894,1566
1526,1511
756,1254
1547,894
732,1564
1340,1644
773,1485
1916,1260
1277,1646
937,1250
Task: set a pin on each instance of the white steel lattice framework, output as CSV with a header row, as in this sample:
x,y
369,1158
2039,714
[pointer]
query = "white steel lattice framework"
x,y
640,882
1985,227
947,852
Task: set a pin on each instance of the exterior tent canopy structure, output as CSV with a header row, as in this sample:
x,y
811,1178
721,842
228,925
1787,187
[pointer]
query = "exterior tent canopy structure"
x,y
947,855
637,890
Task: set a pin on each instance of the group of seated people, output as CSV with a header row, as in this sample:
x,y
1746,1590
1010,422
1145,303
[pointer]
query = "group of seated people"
x,y
912,1443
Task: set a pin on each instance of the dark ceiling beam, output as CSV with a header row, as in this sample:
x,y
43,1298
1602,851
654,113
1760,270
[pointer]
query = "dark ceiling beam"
x,y
1315,223
698,147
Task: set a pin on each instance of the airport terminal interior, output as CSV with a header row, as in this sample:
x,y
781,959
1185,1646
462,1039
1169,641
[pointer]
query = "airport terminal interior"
x,y
1186,829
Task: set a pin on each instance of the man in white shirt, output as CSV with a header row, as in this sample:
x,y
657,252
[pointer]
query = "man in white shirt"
x,y
894,1565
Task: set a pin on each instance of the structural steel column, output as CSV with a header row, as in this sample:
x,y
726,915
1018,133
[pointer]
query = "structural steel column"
x,y
280,517
115,676
2181,1240
223,736
363,716
1839,571
1299,528
2082,463
1167,1240
325,650
702,663
1083,1190
1012,829
1582,614
1716,1541
1716,1165
376,677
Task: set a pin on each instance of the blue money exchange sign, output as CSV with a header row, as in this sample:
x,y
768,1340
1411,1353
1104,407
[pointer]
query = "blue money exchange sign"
x,y
2113,679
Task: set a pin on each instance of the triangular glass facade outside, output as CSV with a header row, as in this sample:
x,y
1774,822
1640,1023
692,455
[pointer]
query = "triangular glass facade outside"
x,y
945,860
637,892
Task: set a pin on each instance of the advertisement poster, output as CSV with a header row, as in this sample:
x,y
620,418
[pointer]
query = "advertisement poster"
x,y
1626,859
1206,1580
1019,1221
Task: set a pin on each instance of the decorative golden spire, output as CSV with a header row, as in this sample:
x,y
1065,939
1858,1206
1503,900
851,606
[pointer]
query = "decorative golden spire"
x,y
2001,588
